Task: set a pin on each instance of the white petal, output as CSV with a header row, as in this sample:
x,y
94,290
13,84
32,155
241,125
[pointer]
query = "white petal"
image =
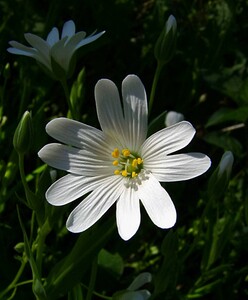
x,y
128,214
178,167
71,45
157,203
135,110
109,111
167,140
89,39
63,51
21,49
94,206
59,54
38,43
41,46
79,135
53,36
28,53
76,161
71,187
68,29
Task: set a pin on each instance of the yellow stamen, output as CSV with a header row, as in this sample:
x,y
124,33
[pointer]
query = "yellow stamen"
x,y
134,163
126,152
124,173
117,172
116,153
134,174
115,163
140,161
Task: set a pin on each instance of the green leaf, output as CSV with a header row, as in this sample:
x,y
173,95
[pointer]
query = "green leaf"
x,y
69,271
226,114
165,280
224,141
111,262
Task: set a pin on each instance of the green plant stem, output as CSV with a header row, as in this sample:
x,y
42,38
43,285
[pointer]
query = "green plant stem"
x,y
22,173
97,294
92,279
13,284
154,84
43,232
44,229
67,96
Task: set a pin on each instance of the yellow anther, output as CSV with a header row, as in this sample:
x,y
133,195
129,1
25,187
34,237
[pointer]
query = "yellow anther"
x,y
117,172
116,153
126,152
134,163
115,163
140,161
124,173
134,174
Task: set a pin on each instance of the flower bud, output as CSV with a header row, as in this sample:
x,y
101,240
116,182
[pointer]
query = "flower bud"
x,y
226,163
19,247
172,118
219,180
23,134
6,71
132,292
166,42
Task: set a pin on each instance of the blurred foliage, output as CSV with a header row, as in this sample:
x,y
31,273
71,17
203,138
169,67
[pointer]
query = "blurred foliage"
x,y
207,80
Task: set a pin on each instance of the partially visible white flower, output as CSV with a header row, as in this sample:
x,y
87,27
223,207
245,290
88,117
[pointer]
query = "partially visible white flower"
x,y
59,48
173,117
132,292
118,164
226,164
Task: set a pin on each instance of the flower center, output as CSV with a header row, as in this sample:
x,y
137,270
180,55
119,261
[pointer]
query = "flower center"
x,y
128,164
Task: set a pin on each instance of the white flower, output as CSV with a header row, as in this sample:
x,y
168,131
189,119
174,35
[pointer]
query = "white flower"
x,y
118,164
173,117
60,49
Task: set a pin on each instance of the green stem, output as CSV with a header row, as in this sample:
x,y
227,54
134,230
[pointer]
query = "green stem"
x,y
44,229
13,284
154,84
67,96
43,232
96,293
22,173
92,279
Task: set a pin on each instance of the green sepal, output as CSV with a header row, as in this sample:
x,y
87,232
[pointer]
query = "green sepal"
x,y
59,72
